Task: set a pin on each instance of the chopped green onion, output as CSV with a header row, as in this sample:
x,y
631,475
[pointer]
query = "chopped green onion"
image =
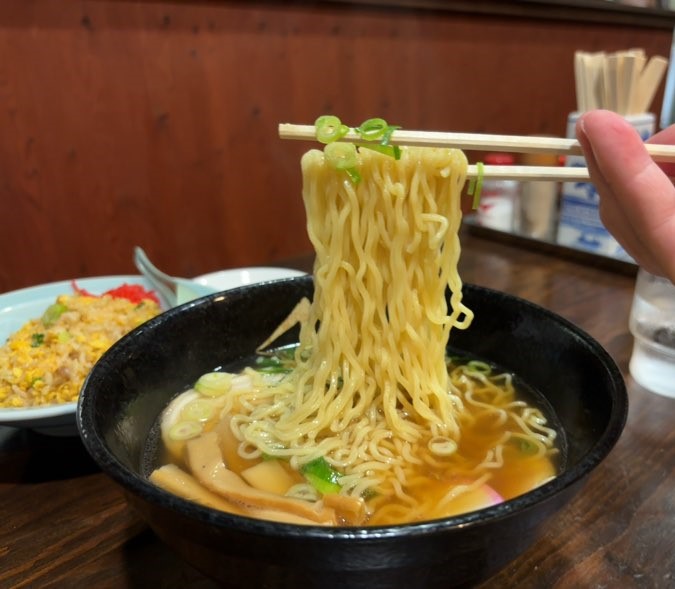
x,y
390,150
322,476
275,370
329,128
372,129
274,364
480,367
476,185
37,339
279,369
184,430
387,136
52,314
267,361
342,156
198,410
525,446
354,175
214,384
324,487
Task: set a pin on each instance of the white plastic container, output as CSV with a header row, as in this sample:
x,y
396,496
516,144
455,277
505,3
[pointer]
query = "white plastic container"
x,y
579,224
537,213
498,198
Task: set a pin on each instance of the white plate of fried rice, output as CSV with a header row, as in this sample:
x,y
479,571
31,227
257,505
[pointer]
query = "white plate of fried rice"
x,y
99,326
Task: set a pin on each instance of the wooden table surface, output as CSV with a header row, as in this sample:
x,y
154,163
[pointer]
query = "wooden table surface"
x,y
65,524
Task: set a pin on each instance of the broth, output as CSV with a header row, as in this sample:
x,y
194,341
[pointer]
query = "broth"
x,y
488,466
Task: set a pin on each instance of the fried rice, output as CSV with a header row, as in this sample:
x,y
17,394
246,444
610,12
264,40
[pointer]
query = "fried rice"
x,y
47,360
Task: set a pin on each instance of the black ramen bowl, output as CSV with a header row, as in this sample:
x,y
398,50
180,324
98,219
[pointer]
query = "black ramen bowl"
x,y
133,382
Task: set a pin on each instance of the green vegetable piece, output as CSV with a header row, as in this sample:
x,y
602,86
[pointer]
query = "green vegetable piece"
x,y
525,446
274,369
268,361
214,384
390,150
329,129
324,487
478,366
185,430
372,129
386,138
52,314
476,186
354,175
198,410
37,339
322,476
63,337
342,156
273,365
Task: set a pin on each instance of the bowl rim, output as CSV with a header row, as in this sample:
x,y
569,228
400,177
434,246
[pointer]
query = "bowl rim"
x,y
565,481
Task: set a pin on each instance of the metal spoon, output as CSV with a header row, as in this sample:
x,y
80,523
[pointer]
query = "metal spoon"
x,y
173,291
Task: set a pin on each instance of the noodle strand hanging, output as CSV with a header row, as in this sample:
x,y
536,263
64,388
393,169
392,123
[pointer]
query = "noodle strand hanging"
x,y
369,420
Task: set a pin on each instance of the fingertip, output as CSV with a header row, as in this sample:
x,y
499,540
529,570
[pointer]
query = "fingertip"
x,y
588,123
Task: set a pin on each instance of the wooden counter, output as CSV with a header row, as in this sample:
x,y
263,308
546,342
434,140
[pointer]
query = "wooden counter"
x,y
65,524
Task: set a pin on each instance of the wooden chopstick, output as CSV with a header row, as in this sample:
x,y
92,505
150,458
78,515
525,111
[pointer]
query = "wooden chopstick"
x,y
494,143
530,173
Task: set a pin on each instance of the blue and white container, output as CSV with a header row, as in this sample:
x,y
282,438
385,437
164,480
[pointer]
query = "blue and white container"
x,y
579,224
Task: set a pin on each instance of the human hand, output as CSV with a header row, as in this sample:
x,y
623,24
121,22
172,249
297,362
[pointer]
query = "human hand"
x,y
637,196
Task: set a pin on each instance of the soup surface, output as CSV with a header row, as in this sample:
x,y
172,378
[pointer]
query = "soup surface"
x,y
508,446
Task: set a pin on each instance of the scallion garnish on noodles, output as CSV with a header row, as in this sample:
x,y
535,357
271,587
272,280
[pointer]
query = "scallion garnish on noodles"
x,y
341,155
372,129
329,128
476,185
322,476
375,134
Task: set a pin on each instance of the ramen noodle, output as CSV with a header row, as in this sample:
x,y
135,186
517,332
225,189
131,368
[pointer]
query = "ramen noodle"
x,y
367,420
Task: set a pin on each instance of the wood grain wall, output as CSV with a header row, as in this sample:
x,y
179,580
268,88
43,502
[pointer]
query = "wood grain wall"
x,y
154,123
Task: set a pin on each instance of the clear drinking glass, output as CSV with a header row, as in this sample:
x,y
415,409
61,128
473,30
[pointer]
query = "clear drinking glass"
x,y
652,323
